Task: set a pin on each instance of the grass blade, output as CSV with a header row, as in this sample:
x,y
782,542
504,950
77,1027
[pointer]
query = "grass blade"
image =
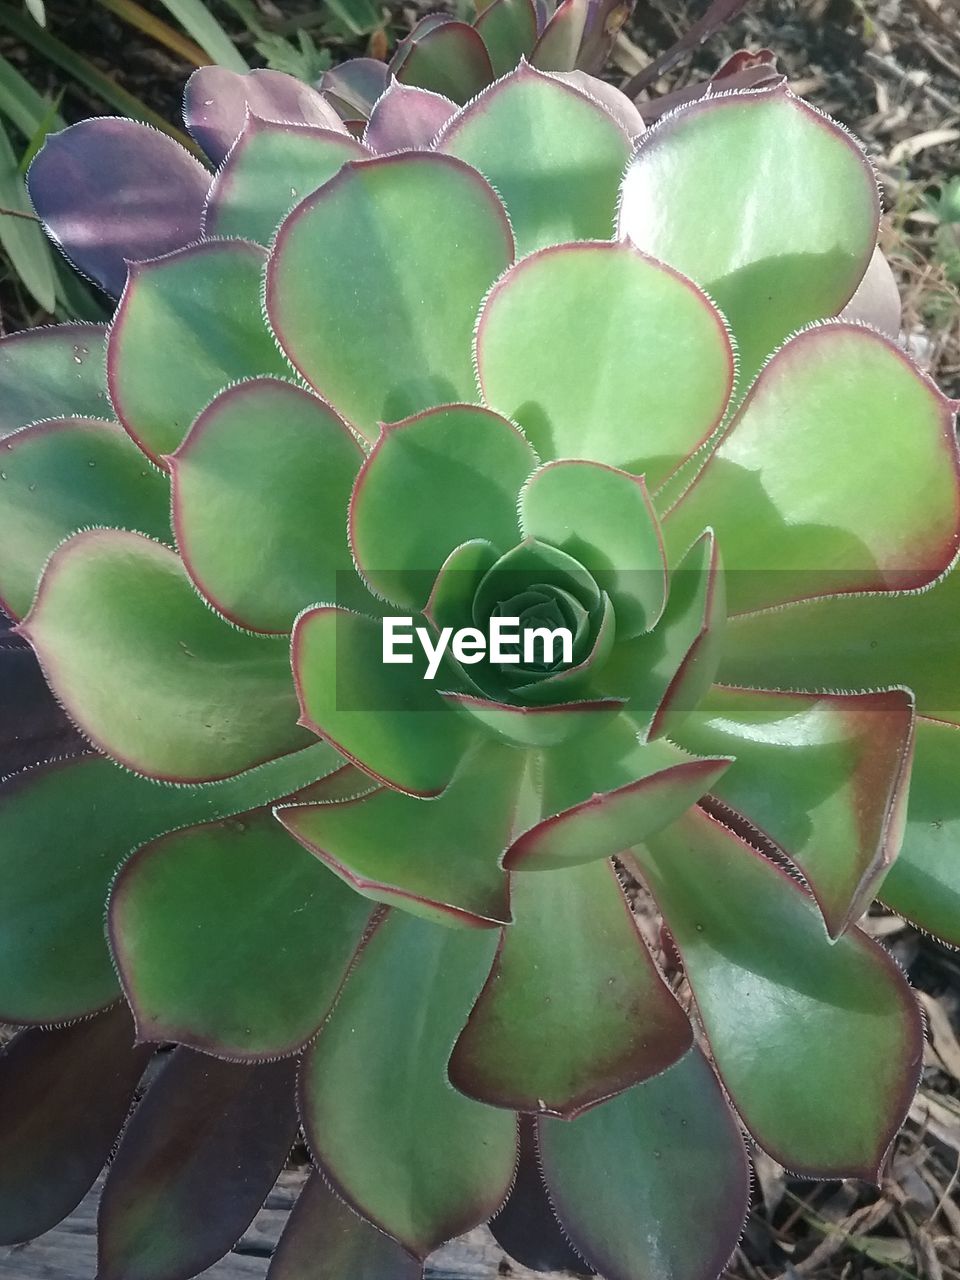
x,y
22,237
199,22
20,102
136,16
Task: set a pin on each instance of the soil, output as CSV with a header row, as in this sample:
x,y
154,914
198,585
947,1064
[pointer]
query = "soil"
x,y
890,70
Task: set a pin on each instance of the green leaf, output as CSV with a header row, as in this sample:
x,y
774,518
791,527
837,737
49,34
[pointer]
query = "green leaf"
x,y
54,961
388,720
776,242
509,30
574,1009
195,1164
824,776
555,157
792,460
604,518
325,1240
270,168
20,102
655,1184
200,306
450,59
408,245
666,672
274,465
412,1155
68,474
46,373
771,988
550,346
197,19
459,468
601,799
547,726
148,672
22,238
439,859
65,1094
856,642
213,929
923,885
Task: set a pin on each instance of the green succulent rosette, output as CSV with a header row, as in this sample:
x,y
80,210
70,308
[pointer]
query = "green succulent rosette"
x,y
536,369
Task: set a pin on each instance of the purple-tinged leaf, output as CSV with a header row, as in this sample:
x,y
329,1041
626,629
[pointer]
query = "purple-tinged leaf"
x,y
526,1227
412,1155
877,299
626,114
195,1165
718,13
574,1009
406,119
46,373
325,1240
654,1184
216,103
355,85
113,191
535,726
64,1094
825,776
33,727
439,860
449,59
744,69
580,34
770,987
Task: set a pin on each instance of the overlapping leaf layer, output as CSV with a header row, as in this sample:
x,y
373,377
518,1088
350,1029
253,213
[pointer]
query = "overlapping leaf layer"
x,y
485,357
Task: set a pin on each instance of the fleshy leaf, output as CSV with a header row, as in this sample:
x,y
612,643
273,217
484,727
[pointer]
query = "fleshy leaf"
x,y
581,33
439,860
406,118
770,987
356,85
64,1095
526,1227
923,885
451,597
388,720
213,929
269,170
546,726
814,527
877,299
623,110
217,102
509,30
411,1154
45,373
824,776
459,467
574,1009
448,58
148,672
654,1184
325,1240
112,191
667,672
605,519
33,727
398,340
602,798
63,475
195,1164
554,157
776,243
550,346
80,819
275,466
856,642
201,307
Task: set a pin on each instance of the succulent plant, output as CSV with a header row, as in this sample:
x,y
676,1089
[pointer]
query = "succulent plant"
x,y
522,366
